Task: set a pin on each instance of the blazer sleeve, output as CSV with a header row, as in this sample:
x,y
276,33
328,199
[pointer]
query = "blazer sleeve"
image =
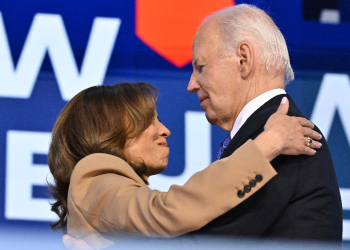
x,y
113,199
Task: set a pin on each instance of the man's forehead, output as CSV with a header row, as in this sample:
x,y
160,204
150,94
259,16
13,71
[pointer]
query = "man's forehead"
x,y
208,32
207,38
196,55
195,46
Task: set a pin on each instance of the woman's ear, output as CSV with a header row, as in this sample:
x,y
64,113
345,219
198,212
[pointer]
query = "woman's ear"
x,y
246,59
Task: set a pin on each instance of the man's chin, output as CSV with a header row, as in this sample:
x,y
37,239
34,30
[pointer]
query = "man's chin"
x,y
212,120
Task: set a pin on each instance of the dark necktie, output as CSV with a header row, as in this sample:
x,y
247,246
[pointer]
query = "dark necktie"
x,y
223,146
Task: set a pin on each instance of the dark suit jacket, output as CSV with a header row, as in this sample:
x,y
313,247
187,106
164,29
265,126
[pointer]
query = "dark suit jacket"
x,y
301,202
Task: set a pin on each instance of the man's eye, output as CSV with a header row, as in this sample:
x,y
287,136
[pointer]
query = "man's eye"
x,y
200,68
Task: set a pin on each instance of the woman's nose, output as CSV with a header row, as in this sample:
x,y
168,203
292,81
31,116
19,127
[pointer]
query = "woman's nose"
x,y
163,131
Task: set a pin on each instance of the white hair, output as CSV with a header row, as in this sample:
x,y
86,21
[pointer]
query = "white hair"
x,y
248,23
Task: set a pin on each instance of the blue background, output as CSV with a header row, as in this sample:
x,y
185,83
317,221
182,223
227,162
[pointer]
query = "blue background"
x,y
315,49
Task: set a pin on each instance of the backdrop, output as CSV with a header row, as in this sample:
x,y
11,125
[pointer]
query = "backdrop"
x,y
50,50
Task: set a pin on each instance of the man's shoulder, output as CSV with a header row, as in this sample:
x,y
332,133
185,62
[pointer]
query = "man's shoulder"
x,y
272,105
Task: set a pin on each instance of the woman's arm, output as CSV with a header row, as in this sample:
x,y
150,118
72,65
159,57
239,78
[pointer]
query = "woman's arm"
x,y
107,194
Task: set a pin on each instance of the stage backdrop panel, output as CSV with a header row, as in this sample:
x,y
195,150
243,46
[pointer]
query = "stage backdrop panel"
x,y
51,50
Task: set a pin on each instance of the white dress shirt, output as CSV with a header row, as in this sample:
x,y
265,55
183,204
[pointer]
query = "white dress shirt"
x,y
252,106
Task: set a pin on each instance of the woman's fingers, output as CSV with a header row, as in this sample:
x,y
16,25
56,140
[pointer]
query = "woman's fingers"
x,y
75,244
284,106
308,132
310,137
312,143
305,122
290,135
308,151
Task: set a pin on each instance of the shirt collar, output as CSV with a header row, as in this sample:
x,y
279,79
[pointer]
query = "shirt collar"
x,y
252,106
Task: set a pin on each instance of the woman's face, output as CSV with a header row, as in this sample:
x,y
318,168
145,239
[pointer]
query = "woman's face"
x,y
151,147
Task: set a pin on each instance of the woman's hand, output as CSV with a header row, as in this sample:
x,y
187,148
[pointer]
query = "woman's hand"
x,y
287,135
75,244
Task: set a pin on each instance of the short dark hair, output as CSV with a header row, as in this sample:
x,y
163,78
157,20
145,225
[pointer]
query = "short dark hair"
x,y
97,120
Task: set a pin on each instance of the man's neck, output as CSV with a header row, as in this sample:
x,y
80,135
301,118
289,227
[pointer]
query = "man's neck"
x,y
257,87
252,106
263,84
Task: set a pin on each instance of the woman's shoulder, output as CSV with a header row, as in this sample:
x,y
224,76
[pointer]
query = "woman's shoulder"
x,y
101,157
99,164
101,161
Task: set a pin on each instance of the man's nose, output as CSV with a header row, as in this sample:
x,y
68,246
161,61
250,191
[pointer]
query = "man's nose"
x,y
193,85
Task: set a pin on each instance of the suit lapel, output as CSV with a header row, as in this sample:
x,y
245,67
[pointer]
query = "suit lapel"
x,y
254,124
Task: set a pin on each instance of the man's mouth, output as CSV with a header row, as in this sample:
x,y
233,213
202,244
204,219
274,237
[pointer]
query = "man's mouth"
x,y
201,99
204,102
163,144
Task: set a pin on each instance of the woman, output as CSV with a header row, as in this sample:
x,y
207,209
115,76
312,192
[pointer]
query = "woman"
x,y
108,140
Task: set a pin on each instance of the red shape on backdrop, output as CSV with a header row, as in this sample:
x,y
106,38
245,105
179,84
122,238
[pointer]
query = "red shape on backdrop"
x,y
169,26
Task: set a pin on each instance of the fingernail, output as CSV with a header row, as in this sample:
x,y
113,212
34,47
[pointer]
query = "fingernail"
x,y
320,144
284,99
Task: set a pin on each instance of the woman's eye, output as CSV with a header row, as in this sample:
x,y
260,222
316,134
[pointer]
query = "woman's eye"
x,y
156,119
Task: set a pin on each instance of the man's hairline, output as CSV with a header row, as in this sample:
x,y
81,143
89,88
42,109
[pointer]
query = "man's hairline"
x,y
227,49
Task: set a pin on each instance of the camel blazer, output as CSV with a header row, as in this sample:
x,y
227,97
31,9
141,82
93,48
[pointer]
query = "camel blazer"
x,y
107,198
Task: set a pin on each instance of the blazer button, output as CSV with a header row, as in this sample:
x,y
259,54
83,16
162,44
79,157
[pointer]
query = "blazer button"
x,y
240,194
252,183
258,177
247,188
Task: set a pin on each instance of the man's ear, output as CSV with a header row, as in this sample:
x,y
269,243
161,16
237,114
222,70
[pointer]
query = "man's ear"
x,y
246,59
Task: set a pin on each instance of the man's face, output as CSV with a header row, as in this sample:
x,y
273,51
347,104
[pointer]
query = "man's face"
x,y
216,79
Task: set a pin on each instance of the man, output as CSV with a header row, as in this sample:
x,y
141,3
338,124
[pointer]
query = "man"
x,y
240,67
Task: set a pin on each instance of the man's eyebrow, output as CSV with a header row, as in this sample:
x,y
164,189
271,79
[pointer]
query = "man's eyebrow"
x,y
194,62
